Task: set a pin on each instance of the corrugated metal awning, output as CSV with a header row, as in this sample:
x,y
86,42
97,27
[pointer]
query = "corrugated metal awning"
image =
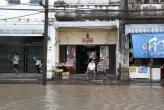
x,y
21,30
144,28
90,1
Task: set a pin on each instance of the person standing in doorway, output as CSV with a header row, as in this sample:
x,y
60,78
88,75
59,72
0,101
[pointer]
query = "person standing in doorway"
x,y
15,61
101,68
91,69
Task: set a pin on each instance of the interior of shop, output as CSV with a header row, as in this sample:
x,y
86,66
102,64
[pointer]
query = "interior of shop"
x,y
84,55
78,56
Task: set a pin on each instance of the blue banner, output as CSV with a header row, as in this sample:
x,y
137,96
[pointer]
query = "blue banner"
x,y
148,45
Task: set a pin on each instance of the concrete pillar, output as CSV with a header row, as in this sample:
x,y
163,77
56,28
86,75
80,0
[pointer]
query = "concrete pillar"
x,y
124,53
51,48
117,52
57,43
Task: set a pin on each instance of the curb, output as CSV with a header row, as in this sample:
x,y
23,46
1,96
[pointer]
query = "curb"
x,y
20,81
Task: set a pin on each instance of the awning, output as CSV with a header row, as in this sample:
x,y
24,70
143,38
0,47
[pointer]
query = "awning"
x,y
21,29
144,28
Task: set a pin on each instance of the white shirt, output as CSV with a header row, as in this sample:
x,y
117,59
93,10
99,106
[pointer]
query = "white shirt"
x,y
38,62
16,59
91,66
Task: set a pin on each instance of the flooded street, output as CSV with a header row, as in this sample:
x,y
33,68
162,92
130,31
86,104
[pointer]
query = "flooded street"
x,y
80,97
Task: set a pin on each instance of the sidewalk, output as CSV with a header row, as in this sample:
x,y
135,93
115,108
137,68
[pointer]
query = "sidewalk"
x,y
107,82
82,79
33,78
20,78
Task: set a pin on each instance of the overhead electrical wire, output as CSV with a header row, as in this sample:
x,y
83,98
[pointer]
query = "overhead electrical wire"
x,y
7,7
21,9
27,3
21,16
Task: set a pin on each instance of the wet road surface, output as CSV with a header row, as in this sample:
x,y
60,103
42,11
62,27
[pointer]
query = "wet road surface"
x,y
80,97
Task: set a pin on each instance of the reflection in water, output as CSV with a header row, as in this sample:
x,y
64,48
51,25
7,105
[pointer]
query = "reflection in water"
x,y
50,98
80,97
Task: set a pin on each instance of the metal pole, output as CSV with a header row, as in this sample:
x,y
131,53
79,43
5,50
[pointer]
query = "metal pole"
x,y
44,74
126,8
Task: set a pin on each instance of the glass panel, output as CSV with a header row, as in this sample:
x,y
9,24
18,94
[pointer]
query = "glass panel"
x,y
26,54
31,53
104,52
6,54
35,1
146,1
14,1
156,1
71,58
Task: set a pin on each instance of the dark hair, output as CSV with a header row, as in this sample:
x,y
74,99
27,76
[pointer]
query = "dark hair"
x,y
16,53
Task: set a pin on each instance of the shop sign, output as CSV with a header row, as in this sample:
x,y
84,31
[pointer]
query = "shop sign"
x,y
142,69
139,72
87,39
132,69
148,45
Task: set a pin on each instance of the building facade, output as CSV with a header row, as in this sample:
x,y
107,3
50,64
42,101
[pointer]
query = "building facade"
x,y
78,31
85,30
143,47
21,31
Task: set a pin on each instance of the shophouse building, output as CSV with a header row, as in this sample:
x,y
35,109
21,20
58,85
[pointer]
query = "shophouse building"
x,y
21,31
143,39
82,30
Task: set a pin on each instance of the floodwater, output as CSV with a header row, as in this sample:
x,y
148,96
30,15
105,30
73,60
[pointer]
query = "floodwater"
x,y
80,97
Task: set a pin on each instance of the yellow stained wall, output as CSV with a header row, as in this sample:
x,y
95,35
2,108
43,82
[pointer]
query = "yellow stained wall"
x,y
74,36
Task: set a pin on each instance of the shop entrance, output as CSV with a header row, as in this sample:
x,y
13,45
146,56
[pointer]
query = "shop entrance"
x,y
83,56
79,56
26,52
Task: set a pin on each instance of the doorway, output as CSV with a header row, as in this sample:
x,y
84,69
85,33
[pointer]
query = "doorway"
x,y
27,52
80,55
83,56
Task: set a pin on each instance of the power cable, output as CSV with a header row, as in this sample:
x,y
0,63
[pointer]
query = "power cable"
x,y
20,9
21,16
27,3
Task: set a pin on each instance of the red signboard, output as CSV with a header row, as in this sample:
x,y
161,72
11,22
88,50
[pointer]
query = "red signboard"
x,y
87,39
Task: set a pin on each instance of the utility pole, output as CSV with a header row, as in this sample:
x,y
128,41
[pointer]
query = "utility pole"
x,y
45,40
122,40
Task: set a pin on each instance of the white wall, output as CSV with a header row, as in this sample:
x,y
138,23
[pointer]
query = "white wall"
x,y
7,14
51,48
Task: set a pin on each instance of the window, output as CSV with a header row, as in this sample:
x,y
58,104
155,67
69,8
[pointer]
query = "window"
x,y
14,1
146,1
35,1
155,1
139,1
